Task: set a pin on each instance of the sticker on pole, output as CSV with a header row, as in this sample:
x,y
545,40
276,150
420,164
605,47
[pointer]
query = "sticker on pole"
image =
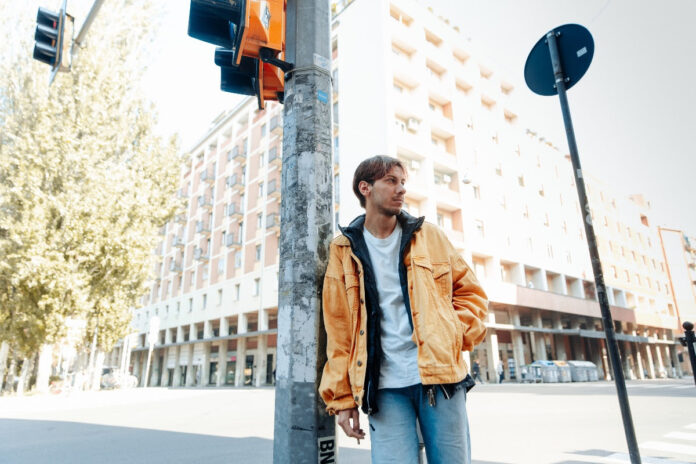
x,y
327,450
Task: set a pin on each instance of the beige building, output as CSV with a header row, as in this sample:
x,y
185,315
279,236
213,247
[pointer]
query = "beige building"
x,y
412,88
679,251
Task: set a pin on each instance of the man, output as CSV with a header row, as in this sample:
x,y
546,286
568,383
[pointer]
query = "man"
x,y
400,305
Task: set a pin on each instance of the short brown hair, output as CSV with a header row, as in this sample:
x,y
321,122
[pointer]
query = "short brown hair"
x,y
373,169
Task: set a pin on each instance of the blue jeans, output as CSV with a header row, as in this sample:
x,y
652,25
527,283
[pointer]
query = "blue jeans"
x,y
444,427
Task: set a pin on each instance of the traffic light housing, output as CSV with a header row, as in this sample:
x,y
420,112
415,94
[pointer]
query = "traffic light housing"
x,y
53,37
48,36
251,37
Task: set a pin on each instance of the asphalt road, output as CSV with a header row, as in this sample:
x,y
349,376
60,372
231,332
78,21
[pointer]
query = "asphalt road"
x,y
576,423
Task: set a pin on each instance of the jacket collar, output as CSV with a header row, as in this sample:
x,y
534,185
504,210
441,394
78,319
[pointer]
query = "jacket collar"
x,y
409,224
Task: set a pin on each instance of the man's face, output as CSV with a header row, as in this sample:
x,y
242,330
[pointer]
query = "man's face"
x,y
386,195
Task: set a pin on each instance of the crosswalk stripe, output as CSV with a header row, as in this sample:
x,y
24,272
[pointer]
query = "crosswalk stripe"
x,y
671,447
683,386
682,436
624,458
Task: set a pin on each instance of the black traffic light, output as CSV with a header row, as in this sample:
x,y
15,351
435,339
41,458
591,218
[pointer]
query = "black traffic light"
x,y
49,36
251,35
219,22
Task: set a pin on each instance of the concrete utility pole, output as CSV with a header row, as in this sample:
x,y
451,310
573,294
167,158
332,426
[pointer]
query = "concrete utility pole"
x,y
304,433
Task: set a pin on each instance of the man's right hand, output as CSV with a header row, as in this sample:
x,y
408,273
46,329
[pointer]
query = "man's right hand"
x,y
345,418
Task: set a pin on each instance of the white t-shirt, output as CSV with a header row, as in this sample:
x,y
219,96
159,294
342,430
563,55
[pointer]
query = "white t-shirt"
x,y
399,366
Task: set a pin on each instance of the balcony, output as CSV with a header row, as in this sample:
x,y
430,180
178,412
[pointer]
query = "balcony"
x,y
202,228
276,125
175,267
199,255
404,69
232,242
274,189
274,158
234,183
234,211
204,202
178,242
207,176
237,154
180,218
273,222
441,125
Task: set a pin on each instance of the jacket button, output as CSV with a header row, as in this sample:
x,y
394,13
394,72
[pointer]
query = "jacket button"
x,y
362,332
356,398
359,363
362,301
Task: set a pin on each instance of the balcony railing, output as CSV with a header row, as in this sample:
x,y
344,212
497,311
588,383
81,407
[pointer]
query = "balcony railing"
x,y
175,267
273,221
276,125
274,158
202,227
235,182
204,202
199,255
237,154
207,176
274,189
233,210
232,241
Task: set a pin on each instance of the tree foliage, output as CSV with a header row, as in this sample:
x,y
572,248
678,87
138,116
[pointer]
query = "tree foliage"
x,y
85,180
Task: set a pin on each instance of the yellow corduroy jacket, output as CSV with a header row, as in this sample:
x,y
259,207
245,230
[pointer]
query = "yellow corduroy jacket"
x,y
447,306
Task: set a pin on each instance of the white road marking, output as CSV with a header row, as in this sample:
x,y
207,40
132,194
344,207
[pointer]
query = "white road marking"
x,y
690,426
682,436
671,447
625,458
684,386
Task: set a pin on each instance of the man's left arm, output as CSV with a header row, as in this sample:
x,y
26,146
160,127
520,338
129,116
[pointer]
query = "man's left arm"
x,y
469,302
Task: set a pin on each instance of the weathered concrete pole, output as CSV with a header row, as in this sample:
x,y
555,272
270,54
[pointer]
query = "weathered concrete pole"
x,y
304,433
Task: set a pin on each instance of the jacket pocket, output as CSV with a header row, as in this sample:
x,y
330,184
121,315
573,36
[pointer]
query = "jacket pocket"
x,y
442,273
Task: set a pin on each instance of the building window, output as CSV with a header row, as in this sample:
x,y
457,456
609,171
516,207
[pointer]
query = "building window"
x,y
178,307
205,301
258,252
259,220
263,130
627,276
221,266
440,220
499,169
190,305
478,224
520,181
219,302
238,259
257,286
477,192
260,189
236,292
613,271
549,251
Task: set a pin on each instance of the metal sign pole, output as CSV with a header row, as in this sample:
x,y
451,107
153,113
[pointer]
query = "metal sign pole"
x,y
607,321
303,431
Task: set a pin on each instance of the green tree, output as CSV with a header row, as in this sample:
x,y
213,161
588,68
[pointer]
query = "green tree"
x,y
85,180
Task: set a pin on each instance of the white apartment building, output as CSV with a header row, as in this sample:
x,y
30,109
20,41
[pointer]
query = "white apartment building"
x,y
406,84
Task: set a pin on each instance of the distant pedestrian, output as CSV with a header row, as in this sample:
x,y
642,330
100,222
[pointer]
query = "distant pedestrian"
x,y
476,371
501,372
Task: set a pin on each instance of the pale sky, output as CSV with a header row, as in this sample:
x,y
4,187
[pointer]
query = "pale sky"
x,y
633,111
